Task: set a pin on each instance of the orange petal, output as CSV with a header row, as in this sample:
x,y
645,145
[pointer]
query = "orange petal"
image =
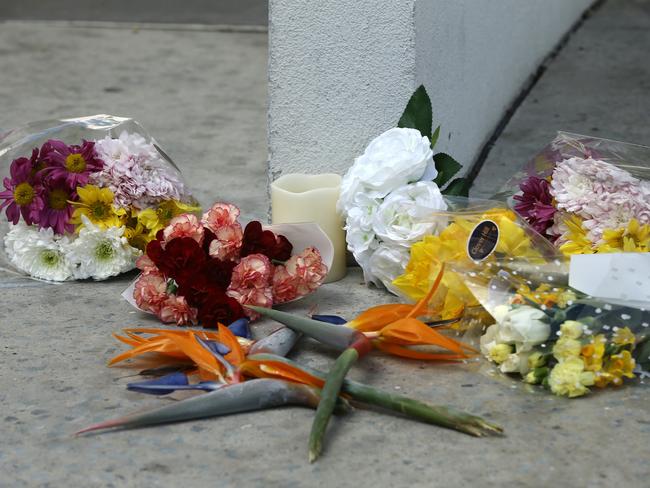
x,y
236,355
378,317
197,353
277,369
411,331
404,352
421,306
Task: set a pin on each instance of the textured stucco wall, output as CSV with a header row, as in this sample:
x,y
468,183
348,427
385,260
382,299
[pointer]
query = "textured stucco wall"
x,y
340,73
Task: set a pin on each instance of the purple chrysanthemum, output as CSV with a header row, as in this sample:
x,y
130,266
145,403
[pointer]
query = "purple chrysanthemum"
x,y
57,210
536,204
22,196
72,164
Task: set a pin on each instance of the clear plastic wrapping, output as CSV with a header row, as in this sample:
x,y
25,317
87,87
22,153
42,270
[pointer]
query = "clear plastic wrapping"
x,y
82,197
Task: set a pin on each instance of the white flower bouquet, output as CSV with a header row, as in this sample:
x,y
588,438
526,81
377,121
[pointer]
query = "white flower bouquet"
x,y
83,197
391,189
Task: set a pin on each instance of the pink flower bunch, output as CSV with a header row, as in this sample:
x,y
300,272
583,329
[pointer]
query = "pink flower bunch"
x,y
203,271
135,172
603,195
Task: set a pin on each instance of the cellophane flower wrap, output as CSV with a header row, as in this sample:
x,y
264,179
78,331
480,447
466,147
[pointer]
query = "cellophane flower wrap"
x,y
205,270
547,333
586,195
81,198
469,230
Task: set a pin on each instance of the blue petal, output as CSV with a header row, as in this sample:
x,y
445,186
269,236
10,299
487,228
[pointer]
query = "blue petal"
x,y
217,347
240,328
330,319
158,385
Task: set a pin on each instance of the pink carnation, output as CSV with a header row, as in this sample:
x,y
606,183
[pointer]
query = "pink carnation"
x,y
251,283
175,309
227,242
220,215
261,297
146,265
299,276
150,292
186,225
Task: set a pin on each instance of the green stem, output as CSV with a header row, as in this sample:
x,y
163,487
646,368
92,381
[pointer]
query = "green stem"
x,y
329,394
431,414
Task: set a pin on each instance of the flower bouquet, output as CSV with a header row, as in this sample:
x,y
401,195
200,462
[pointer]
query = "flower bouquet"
x,y
587,195
390,190
203,271
83,197
550,334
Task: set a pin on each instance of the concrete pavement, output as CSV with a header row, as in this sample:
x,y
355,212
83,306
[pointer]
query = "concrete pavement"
x,y
202,95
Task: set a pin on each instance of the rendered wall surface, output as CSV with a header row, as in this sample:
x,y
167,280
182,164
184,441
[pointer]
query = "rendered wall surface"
x,y
340,72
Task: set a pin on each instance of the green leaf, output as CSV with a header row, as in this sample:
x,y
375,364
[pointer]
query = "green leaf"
x,y
435,136
417,114
447,167
457,188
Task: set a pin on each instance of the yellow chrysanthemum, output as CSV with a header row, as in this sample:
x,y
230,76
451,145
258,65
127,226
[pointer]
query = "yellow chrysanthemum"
x,y
633,238
97,205
137,235
155,219
577,241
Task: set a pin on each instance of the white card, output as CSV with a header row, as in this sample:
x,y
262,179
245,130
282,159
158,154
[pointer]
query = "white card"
x,y
620,277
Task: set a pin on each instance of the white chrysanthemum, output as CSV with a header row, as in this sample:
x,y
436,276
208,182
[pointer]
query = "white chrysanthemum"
x,y
99,253
38,252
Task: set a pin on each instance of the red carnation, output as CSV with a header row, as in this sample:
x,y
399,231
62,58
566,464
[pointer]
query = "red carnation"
x,y
258,241
219,308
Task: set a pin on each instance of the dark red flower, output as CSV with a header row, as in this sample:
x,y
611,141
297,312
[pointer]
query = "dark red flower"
x,y
258,241
180,257
219,308
536,204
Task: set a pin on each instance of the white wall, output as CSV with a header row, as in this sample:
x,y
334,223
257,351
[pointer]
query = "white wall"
x,y
341,72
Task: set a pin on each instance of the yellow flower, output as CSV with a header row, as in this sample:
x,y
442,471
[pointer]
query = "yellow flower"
x,y
513,240
571,329
137,235
566,348
615,368
633,238
577,241
156,219
592,353
499,353
569,378
97,204
623,337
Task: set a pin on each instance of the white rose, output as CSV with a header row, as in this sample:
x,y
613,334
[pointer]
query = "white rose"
x,y
405,216
393,159
387,263
524,327
363,259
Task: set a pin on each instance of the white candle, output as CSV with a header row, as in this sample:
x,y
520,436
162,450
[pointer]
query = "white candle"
x,y
299,198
